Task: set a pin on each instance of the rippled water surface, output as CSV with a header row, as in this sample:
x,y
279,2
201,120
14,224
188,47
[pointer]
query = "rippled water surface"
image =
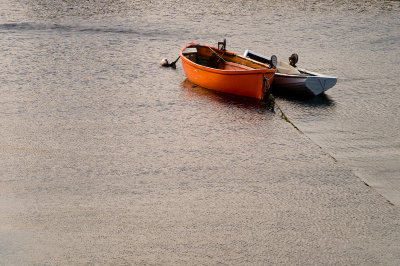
x,y
94,132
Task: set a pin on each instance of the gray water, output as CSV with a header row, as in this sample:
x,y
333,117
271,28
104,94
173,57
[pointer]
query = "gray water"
x,y
107,158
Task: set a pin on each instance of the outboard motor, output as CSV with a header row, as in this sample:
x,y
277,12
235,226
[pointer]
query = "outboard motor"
x,y
293,59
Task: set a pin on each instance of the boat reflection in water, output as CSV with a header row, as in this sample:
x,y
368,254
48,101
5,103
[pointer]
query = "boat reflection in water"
x,y
196,93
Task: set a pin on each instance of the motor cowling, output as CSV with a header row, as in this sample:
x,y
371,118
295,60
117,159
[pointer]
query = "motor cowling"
x,y
293,59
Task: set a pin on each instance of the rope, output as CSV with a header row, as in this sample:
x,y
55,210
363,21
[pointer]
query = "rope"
x,y
267,83
216,53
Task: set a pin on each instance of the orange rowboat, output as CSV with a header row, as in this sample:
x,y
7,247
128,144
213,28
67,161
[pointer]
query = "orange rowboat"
x,y
224,71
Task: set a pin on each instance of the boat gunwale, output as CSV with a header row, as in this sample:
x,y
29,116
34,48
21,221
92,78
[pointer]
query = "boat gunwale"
x,y
222,71
292,75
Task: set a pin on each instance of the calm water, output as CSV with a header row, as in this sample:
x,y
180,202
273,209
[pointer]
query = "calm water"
x,y
75,60
90,125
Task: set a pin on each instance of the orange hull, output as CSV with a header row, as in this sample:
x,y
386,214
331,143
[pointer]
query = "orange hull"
x,y
225,71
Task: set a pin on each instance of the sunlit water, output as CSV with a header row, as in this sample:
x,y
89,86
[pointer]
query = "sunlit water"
x,y
87,115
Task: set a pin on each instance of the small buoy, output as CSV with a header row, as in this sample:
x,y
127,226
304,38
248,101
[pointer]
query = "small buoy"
x,y
164,62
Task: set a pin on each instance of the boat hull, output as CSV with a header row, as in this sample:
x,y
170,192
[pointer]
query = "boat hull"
x,y
235,75
302,84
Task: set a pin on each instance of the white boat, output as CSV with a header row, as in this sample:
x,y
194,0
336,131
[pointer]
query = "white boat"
x,y
291,79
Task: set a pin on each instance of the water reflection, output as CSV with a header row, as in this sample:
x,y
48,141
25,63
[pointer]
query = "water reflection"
x,y
57,9
194,91
321,100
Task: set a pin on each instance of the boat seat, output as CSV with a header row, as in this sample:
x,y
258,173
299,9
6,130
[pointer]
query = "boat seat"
x,y
233,66
285,68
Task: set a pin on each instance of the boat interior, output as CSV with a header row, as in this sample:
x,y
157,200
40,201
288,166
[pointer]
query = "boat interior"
x,y
218,59
285,68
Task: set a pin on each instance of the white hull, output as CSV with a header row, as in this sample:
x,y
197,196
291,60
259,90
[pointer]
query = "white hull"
x,y
306,82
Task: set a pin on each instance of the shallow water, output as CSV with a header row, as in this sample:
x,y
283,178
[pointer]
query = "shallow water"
x,y
356,121
99,144
50,49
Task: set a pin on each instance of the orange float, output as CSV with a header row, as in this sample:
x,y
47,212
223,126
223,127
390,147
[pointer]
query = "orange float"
x,y
220,70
